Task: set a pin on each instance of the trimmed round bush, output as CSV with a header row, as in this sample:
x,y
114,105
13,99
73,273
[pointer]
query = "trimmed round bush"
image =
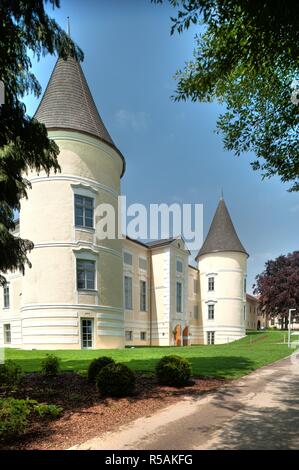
x,y
174,371
96,366
10,374
115,380
50,365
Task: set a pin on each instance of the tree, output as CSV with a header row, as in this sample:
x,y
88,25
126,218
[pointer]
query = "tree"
x,y
247,57
24,144
278,286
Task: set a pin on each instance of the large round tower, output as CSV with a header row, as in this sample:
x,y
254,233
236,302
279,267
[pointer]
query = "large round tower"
x,y
222,263
72,297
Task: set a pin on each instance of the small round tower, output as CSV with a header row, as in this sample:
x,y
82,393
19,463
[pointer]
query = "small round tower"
x,y
222,264
72,297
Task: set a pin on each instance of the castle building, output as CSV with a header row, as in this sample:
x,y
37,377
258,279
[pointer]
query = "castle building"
x,y
86,292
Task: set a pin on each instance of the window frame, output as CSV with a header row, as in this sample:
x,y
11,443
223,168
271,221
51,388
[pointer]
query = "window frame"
x,y
84,209
6,332
211,337
142,258
211,311
130,338
86,280
142,295
179,310
211,284
130,307
6,296
125,252
179,262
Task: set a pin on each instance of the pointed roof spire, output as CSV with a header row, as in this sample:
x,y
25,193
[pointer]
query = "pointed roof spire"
x,y
222,235
68,104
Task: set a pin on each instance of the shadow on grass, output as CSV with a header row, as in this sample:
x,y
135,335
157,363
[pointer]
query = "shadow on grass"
x,y
228,367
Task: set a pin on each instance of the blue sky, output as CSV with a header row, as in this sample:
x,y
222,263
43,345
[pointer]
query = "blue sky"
x,y
130,61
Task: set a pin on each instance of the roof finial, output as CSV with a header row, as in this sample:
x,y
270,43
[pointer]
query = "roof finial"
x,y
221,194
68,27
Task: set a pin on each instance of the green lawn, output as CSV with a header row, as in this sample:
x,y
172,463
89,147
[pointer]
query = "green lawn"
x,y
228,360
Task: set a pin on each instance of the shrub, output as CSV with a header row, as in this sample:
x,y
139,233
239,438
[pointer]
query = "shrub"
x,y
10,374
173,371
115,380
14,417
51,365
96,366
51,411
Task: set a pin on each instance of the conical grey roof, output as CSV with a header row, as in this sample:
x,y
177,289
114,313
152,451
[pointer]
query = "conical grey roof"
x,y
68,104
222,235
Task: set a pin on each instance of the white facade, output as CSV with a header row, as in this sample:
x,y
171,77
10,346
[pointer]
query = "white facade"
x,y
85,292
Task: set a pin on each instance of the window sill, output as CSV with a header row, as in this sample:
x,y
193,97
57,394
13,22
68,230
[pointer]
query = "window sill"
x,y
85,229
87,291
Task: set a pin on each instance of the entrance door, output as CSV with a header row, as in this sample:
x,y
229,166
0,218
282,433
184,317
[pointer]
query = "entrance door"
x,y
177,335
185,336
86,333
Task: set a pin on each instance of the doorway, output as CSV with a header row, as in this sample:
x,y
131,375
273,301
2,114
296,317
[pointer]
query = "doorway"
x,y
86,333
185,336
177,335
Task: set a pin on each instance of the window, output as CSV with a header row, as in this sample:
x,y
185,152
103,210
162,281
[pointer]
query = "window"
x,y
7,333
143,264
195,286
211,283
143,296
86,333
211,311
211,337
179,266
128,293
143,335
86,274
83,211
129,335
244,311
195,312
6,296
272,322
179,303
128,258
245,285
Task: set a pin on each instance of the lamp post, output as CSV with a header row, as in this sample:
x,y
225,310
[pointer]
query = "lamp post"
x,y
289,325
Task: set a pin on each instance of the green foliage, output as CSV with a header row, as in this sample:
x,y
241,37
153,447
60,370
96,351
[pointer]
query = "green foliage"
x,y
10,374
247,57
24,144
51,365
278,287
97,365
14,417
173,370
115,380
48,411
